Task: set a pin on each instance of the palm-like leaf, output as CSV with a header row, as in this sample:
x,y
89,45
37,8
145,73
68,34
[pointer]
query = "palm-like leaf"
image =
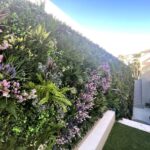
x,y
49,92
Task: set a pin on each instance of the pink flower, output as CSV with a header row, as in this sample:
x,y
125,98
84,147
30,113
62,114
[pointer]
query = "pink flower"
x,y
20,97
25,94
6,84
15,90
1,30
6,93
1,58
4,45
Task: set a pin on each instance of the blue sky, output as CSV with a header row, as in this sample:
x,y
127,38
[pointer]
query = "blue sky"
x,y
119,26
120,15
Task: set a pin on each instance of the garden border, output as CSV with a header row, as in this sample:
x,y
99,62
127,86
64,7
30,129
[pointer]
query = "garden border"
x,y
135,124
97,136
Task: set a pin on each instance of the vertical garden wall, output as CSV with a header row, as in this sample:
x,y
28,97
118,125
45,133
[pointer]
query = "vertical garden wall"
x,y
54,83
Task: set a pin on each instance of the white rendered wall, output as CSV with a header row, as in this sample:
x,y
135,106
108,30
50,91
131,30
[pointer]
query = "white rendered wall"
x,y
138,93
142,114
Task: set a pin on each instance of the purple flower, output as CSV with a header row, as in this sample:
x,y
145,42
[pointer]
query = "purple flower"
x,y
8,70
99,80
105,67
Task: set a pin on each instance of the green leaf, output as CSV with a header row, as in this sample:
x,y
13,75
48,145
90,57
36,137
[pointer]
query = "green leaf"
x,y
2,104
31,85
45,99
16,130
64,90
11,108
39,76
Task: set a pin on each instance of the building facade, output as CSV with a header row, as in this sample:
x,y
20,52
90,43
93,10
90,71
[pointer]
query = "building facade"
x,y
141,104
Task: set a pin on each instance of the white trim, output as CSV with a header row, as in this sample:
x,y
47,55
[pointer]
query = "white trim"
x,y
135,124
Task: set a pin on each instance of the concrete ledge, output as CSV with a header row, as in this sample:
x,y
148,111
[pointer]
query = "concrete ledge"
x,y
98,135
135,124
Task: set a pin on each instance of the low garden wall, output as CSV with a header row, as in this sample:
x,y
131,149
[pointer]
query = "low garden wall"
x,y
98,135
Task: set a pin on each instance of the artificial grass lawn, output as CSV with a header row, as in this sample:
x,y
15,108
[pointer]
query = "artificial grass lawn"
x,y
126,138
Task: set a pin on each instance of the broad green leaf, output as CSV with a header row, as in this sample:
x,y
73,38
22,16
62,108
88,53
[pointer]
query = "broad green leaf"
x,y
11,108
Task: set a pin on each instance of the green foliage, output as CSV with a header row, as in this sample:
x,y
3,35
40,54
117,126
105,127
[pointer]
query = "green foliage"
x,y
48,92
30,49
8,106
120,97
31,128
29,39
32,123
35,36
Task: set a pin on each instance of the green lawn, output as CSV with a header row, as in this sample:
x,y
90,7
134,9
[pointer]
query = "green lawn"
x,y
126,138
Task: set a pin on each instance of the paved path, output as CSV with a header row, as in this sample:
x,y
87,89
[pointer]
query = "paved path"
x,y
135,124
